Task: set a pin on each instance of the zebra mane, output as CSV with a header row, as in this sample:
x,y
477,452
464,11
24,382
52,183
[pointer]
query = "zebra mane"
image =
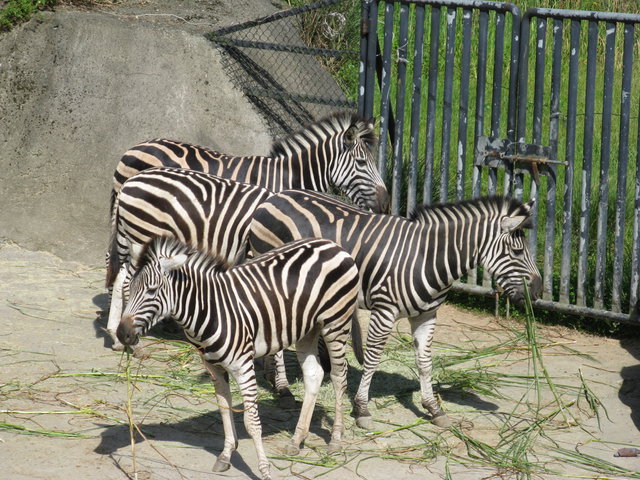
x,y
336,123
506,206
166,246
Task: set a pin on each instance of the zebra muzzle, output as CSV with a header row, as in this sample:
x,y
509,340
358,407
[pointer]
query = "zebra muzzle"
x,y
126,331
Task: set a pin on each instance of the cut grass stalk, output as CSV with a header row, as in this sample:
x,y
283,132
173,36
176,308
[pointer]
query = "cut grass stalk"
x,y
595,464
46,433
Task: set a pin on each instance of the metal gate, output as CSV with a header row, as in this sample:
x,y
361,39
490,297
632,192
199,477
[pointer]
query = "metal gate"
x,y
475,98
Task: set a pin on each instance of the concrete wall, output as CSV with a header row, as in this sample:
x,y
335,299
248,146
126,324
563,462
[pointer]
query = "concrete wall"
x,y
77,89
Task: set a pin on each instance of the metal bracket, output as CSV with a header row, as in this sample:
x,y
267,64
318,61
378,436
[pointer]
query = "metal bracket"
x,y
521,157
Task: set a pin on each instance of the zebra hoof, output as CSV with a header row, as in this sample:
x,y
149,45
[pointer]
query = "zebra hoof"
x,y
365,422
292,450
442,420
221,466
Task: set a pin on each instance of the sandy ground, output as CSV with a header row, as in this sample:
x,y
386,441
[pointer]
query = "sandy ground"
x,y
57,376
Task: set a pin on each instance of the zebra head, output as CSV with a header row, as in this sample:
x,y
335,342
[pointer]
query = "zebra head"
x,y
340,149
507,257
354,169
149,289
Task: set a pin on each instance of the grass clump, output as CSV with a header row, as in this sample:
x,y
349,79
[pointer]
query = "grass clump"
x,y
18,11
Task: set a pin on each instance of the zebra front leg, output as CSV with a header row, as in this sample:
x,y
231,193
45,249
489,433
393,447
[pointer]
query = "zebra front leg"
x,y
307,352
380,327
422,328
115,308
276,373
223,397
244,374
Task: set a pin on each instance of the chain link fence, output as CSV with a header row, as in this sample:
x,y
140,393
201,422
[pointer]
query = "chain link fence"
x,y
282,62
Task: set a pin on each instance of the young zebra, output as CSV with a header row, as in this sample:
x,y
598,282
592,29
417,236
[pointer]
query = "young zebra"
x,y
335,152
407,266
201,210
291,295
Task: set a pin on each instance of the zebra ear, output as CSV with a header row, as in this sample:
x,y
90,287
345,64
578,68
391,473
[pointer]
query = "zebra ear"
x,y
509,224
350,135
173,262
514,222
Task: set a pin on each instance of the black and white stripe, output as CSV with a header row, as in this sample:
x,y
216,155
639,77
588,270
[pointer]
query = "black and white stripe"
x,y
407,266
201,210
335,152
292,295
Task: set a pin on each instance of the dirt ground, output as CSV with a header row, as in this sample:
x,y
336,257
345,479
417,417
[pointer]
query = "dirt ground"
x,y
63,398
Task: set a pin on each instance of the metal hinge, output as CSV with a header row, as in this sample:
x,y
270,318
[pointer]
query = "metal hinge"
x,y
521,157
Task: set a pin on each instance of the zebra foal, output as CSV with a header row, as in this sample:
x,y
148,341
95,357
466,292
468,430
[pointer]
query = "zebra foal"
x,y
291,295
201,210
407,266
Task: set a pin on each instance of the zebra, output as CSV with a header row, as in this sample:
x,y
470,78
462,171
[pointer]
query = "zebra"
x,y
335,152
407,266
291,295
202,210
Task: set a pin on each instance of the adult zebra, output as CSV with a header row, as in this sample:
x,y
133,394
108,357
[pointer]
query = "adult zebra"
x,y
291,295
201,210
335,152
407,266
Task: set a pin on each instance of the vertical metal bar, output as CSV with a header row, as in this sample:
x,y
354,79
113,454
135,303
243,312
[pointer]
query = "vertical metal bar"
x,y
432,94
623,162
554,124
496,94
447,103
523,75
498,65
401,82
481,88
362,71
605,146
635,260
385,89
371,41
416,103
572,108
463,108
536,134
587,161
517,78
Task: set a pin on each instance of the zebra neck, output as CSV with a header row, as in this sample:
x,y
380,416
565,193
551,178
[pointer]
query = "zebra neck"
x,y
302,169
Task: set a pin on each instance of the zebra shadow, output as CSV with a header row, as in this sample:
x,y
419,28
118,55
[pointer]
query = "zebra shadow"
x,y
390,384
205,431
629,393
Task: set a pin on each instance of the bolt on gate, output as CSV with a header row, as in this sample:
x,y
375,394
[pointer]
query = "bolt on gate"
x,y
475,98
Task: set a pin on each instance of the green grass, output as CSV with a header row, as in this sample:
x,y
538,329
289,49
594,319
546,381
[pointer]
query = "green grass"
x,y
18,11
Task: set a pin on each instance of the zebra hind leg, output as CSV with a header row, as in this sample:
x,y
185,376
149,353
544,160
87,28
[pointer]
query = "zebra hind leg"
x,y
275,373
307,352
422,328
336,348
380,327
223,397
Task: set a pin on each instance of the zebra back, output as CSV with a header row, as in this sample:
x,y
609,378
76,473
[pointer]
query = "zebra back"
x,y
201,210
259,307
334,152
408,265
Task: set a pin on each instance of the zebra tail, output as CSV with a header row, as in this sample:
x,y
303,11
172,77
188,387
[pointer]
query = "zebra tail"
x,y
113,258
356,338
